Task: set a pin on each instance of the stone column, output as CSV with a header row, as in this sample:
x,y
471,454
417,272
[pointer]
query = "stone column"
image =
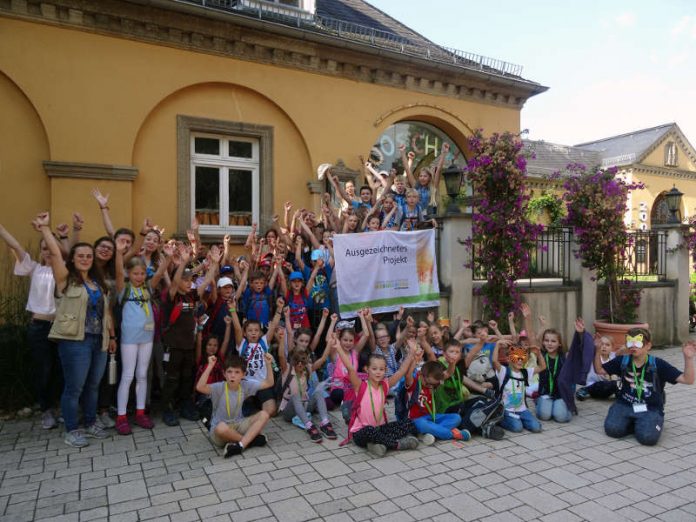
x,y
677,269
454,276
587,307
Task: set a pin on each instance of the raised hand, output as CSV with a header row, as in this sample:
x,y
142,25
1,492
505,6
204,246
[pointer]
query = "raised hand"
x,y
526,311
42,219
168,249
101,199
215,254
77,221
280,303
689,349
212,360
511,316
580,325
493,325
195,225
324,312
63,229
122,244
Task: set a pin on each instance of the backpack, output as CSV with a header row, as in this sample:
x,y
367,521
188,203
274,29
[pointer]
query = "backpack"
x,y
481,412
402,402
117,309
480,368
652,366
355,410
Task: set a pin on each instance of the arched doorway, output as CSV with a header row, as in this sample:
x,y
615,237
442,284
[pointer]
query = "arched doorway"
x,y
659,213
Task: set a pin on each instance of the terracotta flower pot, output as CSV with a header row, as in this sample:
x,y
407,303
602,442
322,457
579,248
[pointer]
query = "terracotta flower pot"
x,y
616,332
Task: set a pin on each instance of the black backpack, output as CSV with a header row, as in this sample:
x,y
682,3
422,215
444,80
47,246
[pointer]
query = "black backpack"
x,y
524,380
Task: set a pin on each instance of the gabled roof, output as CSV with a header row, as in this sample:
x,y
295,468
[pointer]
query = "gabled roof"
x,y
628,148
552,157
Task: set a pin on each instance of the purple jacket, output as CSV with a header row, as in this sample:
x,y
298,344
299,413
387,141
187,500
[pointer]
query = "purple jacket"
x,y
575,368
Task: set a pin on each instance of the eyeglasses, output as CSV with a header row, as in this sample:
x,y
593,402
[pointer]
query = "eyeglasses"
x,y
105,247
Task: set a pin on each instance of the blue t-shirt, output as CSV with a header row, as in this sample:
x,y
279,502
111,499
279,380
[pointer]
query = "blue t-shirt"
x,y
319,293
357,205
137,316
424,192
257,305
487,349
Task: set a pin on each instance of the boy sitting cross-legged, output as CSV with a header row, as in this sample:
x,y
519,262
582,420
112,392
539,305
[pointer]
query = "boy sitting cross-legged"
x,y
228,427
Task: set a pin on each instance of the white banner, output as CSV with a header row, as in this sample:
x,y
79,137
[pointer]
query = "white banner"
x,y
386,270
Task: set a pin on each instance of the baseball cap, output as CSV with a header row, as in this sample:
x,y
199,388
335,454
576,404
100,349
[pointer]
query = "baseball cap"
x,y
224,281
296,275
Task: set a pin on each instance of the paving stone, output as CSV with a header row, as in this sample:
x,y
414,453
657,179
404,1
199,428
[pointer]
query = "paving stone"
x,y
127,491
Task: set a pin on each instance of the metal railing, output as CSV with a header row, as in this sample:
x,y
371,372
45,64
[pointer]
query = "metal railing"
x,y
646,256
288,15
549,258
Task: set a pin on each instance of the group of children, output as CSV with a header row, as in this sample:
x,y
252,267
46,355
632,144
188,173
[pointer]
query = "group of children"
x,y
168,311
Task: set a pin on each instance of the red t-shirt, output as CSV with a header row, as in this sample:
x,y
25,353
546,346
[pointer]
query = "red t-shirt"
x,y
299,308
425,404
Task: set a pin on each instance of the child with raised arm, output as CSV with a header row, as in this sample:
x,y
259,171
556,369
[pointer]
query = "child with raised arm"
x,y
639,405
229,427
368,426
514,379
252,345
550,404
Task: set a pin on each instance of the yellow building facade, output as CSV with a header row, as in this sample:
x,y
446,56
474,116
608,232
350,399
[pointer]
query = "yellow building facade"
x,y
154,103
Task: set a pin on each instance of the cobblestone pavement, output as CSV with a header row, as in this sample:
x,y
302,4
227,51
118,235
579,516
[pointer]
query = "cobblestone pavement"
x,y
569,472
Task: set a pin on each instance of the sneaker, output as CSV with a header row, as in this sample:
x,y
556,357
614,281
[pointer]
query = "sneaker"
x,y
48,421
96,432
426,439
258,441
232,448
314,434
170,418
298,422
493,432
409,442
105,421
144,421
75,439
123,426
461,434
328,431
582,394
378,450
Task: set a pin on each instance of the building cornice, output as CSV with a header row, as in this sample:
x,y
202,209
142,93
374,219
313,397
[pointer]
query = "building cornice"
x,y
182,26
665,172
68,169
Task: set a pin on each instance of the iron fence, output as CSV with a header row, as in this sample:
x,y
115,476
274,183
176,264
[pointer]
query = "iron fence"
x,y
549,258
646,256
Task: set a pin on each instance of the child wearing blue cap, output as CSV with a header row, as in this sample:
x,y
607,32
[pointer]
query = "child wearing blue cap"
x,y
297,299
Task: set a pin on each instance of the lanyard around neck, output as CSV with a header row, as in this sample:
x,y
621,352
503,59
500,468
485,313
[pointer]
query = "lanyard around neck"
x,y
640,383
227,401
378,421
552,373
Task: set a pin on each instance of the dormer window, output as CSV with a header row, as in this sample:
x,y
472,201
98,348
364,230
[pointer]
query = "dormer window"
x,y
671,154
294,8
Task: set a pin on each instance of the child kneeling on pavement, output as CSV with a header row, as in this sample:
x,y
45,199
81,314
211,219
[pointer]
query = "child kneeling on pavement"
x,y
229,427
639,406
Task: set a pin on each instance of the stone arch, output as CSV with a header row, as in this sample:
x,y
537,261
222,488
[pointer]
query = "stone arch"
x,y
22,153
659,211
157,151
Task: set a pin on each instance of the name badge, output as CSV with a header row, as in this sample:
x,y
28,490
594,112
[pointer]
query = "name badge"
x,y
149,327
640,408
165,357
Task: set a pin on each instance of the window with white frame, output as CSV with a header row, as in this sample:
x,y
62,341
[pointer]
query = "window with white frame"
x,y
671,154
225,185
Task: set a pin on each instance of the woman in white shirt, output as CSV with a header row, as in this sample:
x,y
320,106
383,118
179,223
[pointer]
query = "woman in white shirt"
x,y
41,304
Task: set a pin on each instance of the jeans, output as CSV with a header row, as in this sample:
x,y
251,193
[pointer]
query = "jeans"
x,y
316,403
48,377
83,366
441,427
548,408
622,420
516,421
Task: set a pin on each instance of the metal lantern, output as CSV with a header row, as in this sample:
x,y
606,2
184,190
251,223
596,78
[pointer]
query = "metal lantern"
x,y
453,182
673,198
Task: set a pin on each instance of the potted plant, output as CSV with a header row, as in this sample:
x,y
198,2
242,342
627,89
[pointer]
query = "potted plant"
x,y
596,202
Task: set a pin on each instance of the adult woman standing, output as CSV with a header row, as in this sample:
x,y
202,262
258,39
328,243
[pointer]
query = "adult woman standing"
x,y
84,331
41,304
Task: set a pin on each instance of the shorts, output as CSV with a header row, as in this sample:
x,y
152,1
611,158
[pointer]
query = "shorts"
x,y
241,427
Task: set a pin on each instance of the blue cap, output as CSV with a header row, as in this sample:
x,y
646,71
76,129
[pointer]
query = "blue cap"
x,y
317,254
226,269
296,275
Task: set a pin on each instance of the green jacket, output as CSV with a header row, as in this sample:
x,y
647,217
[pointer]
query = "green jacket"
x,y
450,392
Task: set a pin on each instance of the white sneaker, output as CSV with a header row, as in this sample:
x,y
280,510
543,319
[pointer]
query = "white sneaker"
x,y
95,431
105,421
426,439
75,439
48,421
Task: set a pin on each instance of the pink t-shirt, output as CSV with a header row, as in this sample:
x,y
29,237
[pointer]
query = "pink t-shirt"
x,y
372,405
